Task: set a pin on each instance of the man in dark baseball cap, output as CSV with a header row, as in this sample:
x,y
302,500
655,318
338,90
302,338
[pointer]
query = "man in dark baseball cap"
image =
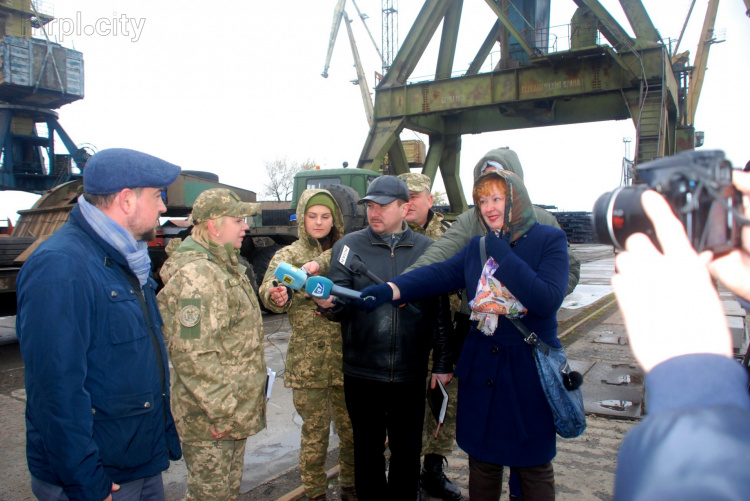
x,y
387,202
384,383
90,335
385,189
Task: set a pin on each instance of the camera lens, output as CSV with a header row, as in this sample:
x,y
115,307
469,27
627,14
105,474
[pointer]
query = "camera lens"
x,y
618,214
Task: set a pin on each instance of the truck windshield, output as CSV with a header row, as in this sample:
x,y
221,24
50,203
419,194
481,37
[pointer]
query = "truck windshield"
x,y
320,182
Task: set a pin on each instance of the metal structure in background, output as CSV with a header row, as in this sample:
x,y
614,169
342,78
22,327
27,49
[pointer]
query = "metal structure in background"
x,y
36,76
604,74
389,32
339,14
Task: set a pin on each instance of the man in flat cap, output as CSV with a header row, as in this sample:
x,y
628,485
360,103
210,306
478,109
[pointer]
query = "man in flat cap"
x,y
385,351
98,422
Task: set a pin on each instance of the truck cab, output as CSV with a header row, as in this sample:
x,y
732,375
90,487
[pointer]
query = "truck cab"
x,y
357,179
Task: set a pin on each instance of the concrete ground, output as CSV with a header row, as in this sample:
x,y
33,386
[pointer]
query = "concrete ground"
x,y
584,467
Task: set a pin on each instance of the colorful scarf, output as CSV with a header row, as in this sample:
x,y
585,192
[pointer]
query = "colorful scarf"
x,y
492,300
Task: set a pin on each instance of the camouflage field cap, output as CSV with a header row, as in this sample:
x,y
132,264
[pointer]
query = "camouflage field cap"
x,y
218,202
416,182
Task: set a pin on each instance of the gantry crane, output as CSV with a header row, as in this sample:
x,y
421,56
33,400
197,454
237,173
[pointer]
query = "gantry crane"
x,y
605,74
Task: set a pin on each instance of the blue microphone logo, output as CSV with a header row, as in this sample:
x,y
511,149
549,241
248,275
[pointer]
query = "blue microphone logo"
x,y
318,291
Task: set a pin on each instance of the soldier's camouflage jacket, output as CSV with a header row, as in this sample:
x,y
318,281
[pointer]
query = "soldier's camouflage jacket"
x,y
313,357
214,335
436,225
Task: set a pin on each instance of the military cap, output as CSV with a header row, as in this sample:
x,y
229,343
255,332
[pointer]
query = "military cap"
x,y
385,189
114,169
416,182
219,202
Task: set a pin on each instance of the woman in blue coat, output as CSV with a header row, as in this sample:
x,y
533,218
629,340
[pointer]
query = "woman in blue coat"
x,y
503,415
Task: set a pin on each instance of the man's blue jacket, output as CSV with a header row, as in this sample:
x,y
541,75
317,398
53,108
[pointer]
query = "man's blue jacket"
x,y
97,379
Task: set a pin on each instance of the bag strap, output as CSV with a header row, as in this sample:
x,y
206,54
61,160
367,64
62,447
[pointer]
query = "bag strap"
x,y
528,336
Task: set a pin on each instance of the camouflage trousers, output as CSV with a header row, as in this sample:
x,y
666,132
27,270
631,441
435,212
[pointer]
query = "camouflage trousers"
x,y
214,469
317,407
443,444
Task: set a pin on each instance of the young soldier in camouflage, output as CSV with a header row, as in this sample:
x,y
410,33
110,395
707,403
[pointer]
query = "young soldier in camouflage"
x,y
313,360
214,335
422,219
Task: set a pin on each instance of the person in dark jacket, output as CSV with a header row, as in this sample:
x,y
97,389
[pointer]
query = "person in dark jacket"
x,y
385,351
503,414
694,444
98,422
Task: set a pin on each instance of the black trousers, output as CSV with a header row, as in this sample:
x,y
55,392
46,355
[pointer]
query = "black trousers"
x,y
379,409
486,481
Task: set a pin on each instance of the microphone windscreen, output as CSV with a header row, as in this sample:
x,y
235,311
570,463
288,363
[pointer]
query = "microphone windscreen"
x,y
319,287
291,276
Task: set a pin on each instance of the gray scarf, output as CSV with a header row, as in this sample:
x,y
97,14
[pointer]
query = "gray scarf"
x,y
135,252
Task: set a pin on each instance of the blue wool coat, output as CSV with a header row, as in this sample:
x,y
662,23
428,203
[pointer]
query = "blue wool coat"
x,y
97,409
503,415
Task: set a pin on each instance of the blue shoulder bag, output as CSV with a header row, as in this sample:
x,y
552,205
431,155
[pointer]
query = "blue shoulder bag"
x,y
561,385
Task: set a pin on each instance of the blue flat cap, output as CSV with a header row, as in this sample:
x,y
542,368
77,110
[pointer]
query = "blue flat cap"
x,y
115,169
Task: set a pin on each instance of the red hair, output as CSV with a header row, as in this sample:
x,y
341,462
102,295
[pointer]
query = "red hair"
x,y
485,187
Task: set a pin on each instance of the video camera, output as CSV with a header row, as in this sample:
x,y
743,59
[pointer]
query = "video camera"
x,y
697,186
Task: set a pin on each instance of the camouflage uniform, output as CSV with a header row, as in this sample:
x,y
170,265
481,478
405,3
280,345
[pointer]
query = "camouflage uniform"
x,y
443,444
214,335
313,363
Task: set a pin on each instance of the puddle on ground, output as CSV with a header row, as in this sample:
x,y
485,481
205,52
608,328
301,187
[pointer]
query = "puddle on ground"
x,y
616,405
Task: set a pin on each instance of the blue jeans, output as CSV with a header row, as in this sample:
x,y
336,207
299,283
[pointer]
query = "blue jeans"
x,y
144,489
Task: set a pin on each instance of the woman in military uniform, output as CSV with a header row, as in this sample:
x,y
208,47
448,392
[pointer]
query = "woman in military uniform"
x,y
313,360
214,334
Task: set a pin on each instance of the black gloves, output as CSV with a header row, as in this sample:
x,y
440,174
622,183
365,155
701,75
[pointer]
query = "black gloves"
x,y
497,247
373,296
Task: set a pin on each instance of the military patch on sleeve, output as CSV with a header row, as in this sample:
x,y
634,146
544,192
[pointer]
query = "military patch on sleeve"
x,y
190,318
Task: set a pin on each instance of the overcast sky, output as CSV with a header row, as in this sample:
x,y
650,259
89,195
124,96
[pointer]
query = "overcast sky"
x,y
225,87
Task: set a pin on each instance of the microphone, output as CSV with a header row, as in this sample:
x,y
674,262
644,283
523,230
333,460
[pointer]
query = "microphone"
x,y
359,267
323,288
291,276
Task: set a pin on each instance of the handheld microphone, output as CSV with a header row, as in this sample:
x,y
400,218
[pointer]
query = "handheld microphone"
x,y
359,267
323,288
291,276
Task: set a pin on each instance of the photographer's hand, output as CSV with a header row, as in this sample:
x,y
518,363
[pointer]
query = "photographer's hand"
x,y
733,269
654,290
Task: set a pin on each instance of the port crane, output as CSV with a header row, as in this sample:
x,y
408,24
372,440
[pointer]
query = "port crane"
x,y
604,74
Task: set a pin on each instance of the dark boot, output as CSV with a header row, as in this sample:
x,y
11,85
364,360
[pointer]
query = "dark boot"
x,y
348,494
434,480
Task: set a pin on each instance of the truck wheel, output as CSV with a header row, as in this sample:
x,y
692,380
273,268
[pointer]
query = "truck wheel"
x,y
355,216
260,260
